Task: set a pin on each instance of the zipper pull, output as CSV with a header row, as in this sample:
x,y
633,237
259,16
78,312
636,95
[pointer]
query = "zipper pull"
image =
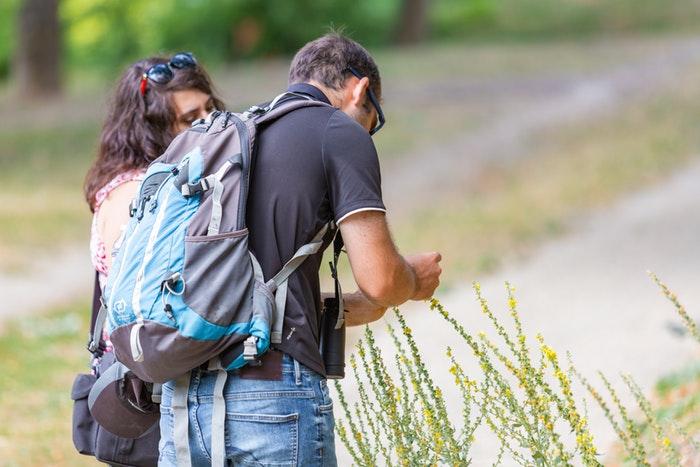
x,y
169,312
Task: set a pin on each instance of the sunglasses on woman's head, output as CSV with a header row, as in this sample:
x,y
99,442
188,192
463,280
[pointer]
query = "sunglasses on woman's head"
x,y
163,73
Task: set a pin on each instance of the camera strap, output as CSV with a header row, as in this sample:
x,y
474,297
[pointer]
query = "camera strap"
x,y
338,245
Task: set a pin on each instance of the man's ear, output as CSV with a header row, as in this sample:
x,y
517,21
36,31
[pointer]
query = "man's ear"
x,y
359,91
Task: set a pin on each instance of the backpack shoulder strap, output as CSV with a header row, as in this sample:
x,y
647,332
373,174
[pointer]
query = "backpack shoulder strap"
x,y
279,106
279,281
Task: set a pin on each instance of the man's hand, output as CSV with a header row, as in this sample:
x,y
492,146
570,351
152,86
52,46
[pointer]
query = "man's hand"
x,y
384,276
426,267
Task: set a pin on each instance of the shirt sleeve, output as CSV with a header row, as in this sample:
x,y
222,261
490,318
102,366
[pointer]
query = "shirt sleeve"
x,y
352,168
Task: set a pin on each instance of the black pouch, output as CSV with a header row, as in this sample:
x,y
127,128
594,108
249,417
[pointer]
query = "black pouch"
x,y
84,426
139,452
92,439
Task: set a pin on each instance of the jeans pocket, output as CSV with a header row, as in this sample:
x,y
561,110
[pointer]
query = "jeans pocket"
x,y
262,439
325,402
326,423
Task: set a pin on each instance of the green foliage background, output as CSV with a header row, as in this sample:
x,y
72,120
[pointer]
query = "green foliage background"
x,y
105,34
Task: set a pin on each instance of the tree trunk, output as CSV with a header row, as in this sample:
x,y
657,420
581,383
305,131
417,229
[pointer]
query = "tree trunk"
x,y
412,26
38,56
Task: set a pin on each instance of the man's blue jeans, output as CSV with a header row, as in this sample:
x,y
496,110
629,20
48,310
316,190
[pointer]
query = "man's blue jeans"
x,y
280,423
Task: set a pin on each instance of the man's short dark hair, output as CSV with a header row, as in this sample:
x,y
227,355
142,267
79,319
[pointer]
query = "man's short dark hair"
x,y
327,60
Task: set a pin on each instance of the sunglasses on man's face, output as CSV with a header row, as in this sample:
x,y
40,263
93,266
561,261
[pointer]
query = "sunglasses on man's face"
x,y
373,99
163,73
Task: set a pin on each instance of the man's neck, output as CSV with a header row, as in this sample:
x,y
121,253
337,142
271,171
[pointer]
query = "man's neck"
x,y
331,94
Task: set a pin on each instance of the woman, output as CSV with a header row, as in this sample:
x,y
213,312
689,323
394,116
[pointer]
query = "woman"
x,y
155,99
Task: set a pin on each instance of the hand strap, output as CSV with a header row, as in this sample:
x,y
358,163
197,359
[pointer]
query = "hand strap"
x,y
96,297
337,249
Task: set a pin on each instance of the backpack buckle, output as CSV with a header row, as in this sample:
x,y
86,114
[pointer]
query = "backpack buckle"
x,y
192,189
254,111
250,349
133,207
92,346
95,347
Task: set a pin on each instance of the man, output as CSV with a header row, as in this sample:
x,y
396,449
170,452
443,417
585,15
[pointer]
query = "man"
x,y
313,165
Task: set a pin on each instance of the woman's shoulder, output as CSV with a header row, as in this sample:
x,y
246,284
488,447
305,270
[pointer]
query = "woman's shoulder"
x,y
120,183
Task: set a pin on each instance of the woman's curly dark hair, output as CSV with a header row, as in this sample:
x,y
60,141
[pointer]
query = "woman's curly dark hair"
x,y
139,128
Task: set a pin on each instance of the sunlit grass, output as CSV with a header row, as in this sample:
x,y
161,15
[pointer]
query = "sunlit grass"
x,y
41,177
40,357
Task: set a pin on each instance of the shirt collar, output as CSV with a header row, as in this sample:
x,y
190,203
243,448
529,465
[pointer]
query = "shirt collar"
x,y
309,90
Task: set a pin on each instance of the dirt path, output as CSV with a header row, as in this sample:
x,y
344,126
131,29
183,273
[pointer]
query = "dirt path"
x,y
54,280
518,109
589,294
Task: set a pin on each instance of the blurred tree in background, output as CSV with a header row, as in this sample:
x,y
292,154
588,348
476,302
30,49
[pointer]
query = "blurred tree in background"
x,y
103,35
412,26
38,56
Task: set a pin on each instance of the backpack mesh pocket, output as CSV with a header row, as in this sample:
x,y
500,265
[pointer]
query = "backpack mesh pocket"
x,y
218,277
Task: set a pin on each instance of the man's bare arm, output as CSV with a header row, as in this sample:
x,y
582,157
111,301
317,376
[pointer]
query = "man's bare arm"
x,y
359,310
385,277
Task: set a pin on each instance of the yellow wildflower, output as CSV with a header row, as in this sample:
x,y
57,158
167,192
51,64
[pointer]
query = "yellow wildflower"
x,y
549,353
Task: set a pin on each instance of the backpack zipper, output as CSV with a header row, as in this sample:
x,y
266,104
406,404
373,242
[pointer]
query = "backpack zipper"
x,y
117,281
245,170
148,254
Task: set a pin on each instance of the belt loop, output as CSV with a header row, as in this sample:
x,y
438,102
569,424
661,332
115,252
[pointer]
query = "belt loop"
x,y
297,372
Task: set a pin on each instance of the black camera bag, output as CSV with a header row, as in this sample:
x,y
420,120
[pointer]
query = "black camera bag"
x,y
92,439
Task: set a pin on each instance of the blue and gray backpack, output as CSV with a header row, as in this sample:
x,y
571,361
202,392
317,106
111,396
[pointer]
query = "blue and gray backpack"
x,y
184,289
